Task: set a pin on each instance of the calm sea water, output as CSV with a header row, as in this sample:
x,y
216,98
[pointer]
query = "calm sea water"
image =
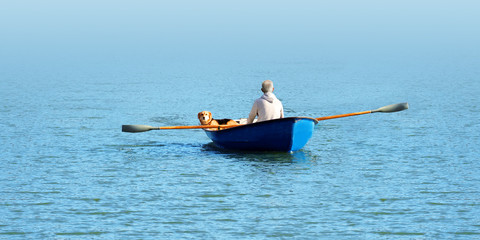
x,y
68,82
68,172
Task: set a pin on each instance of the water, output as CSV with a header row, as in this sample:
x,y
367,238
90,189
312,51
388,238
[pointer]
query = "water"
x,y
68,172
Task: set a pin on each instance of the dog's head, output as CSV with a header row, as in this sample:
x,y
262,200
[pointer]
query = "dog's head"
x,y
205,117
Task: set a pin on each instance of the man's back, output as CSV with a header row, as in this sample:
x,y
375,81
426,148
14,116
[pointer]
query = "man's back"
x,y
267,107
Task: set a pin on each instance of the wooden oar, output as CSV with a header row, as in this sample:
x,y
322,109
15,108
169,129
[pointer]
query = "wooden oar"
x,y
144,128
387,109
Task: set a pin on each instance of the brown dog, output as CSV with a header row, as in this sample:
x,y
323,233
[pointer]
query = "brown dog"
x,y
206,118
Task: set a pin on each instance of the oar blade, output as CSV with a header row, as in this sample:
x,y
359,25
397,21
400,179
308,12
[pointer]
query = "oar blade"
x,y
392,108
136,128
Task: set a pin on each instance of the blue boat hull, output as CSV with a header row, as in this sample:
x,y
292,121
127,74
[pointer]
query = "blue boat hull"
x,y
285,135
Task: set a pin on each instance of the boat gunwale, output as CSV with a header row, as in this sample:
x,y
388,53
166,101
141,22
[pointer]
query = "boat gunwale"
x,y
259,123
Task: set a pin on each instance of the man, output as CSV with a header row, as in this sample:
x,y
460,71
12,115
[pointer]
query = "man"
x,y
268,106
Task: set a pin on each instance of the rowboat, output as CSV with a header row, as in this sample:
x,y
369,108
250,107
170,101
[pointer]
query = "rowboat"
x,y
283,135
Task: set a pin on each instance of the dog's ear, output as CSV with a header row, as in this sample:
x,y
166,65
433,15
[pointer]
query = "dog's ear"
x,y
209,115
198,115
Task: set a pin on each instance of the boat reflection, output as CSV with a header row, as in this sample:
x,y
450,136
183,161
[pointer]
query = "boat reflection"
x,y
301,156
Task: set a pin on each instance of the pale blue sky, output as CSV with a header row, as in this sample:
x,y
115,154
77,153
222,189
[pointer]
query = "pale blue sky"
x,y
127,28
